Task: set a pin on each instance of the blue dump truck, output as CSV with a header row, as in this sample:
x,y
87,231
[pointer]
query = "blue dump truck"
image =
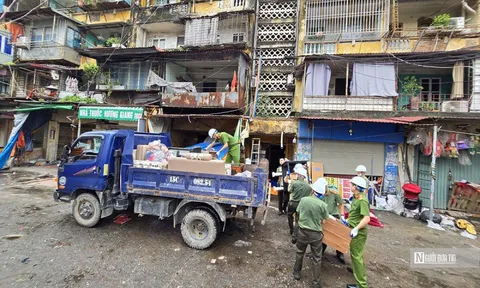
x,y
97,173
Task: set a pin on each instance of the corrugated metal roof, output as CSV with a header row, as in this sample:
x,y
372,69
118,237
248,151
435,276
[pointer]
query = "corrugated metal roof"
x,y
200,116
394,120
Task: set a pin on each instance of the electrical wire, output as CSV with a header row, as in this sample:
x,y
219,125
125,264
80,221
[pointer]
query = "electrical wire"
x,y
28,13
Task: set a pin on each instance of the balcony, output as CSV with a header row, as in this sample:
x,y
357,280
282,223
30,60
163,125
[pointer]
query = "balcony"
x,y
171,12
203,100
444,103
226,29
98,18
348,103
104,4
49,51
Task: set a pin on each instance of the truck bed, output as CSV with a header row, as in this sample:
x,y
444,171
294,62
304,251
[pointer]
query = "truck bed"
x,y
223,189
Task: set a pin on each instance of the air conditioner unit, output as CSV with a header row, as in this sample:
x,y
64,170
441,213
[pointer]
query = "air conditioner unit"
x,y
455,106
22,42
457,22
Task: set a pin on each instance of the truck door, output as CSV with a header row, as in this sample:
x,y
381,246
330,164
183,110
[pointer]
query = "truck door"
x,y
84,168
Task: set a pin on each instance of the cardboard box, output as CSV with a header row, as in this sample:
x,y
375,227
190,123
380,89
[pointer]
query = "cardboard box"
x,y
141,151
186,165
317,171
336,235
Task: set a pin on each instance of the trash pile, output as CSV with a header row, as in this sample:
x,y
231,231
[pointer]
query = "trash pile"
x,y
155,155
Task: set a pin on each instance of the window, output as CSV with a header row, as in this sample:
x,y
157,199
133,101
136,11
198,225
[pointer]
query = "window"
x,y
180,41
431,89
48,34
157,42
87,147
238,37
37,37
237,3
73,38
5,47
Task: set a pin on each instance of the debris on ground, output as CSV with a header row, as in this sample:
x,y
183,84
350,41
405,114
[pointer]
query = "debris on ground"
x,y
250,252
434,226
221,257
176,249
468,235
213,261
121,219
13,236
241,243
448,222
26,260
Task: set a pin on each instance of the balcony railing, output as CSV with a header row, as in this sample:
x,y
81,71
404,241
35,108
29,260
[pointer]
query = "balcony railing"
x,y
204,100
349,103
439,103
105,4
167,12
49,51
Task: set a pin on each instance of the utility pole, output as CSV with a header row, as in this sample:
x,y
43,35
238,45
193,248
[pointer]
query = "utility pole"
x,y
434,159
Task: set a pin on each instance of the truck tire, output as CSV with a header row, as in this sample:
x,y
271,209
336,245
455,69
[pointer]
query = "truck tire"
x,y
86,210
199,229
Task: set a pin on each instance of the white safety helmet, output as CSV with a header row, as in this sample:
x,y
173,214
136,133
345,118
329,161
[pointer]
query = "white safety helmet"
x,y
212,132
361,168
302,172
359,181
320,186
297,167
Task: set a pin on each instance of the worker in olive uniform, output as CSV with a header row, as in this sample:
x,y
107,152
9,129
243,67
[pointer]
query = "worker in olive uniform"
x,y
311,212
334,202
284,198
298,189
228,141
358,219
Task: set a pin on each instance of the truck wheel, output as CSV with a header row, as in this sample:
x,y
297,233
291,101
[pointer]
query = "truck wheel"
x,y
199,229
86,210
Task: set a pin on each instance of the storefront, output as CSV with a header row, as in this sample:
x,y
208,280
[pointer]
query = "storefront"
x,y
339,146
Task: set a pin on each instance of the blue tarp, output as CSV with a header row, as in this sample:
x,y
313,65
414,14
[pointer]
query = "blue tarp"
x,y
20,119
215,147
26,122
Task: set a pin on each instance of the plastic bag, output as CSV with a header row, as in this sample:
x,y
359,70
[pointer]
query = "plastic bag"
x,y
417,137
464,158
157,152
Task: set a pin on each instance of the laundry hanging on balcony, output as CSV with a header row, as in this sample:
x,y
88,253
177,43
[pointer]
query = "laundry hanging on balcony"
x,y
376,79
317,79
458,78
177,87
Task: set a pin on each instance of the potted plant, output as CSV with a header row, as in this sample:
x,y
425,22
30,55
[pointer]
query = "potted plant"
x,y
117,85
411,88
112,42
441,21
105,82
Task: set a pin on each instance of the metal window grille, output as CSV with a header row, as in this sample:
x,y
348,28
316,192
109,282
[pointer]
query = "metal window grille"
x,y
278,10
337,20
237,3
276,32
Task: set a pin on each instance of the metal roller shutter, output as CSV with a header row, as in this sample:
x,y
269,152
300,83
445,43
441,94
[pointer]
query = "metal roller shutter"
x,y
342,157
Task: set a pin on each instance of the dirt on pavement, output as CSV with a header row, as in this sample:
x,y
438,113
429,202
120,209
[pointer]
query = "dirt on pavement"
x,y
42,246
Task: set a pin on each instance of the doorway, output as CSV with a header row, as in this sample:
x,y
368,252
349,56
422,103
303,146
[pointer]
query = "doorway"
x,y
275,153
209,87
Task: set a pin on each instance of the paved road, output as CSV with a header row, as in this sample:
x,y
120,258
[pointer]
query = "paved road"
x,y
53,251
